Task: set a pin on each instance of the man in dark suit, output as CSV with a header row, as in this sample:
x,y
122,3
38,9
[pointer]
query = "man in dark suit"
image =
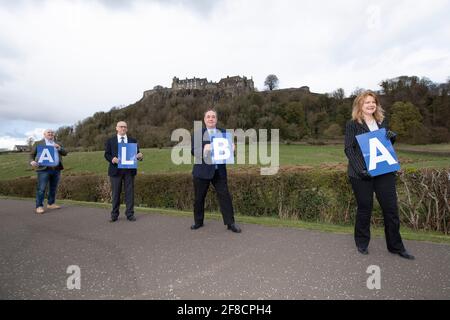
x,y
118,176
47,175
204,173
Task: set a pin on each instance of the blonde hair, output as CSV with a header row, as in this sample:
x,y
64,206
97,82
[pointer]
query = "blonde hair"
x,y
357,113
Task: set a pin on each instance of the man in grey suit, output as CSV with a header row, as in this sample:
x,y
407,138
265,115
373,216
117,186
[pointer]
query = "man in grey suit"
x,y
47,175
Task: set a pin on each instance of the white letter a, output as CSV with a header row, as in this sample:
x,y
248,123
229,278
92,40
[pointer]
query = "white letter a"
x,y
385,155
45,155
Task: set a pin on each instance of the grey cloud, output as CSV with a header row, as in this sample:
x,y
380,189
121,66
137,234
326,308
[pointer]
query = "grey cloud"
x,y
424,32
4,77
15,134
9,52
20,111
17,4
203,7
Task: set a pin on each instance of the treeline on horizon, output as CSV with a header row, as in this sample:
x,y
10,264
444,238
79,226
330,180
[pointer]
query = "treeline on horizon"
x,y
417,109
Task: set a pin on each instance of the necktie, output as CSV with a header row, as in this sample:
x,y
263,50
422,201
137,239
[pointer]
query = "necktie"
x,y
122,140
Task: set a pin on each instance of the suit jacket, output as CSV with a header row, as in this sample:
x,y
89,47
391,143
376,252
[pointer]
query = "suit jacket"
x,y
204,170
33,154
111,151
352,150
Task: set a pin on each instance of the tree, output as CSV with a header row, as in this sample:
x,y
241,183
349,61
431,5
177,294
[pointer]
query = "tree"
x,y
271,82
338,94
406,121
357,92
294,114
333,131
30,142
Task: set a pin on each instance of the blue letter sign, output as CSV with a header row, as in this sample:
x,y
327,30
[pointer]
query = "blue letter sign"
x,y
378,152
46,156
127,155
222,148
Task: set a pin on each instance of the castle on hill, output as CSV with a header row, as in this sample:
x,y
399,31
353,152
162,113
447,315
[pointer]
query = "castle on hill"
x,y
235,85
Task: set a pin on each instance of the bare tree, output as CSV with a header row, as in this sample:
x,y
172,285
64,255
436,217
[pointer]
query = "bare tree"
x,y
338,94
357,92
30,142
271,82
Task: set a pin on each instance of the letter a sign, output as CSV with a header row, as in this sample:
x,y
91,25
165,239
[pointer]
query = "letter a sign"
x,y
378,152
46,156
127,155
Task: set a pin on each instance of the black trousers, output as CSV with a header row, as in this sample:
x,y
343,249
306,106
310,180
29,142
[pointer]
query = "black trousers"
x,y
223,195
384,188
127,180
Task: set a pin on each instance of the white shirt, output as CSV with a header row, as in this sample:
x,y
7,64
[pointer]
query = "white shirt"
x,y
211,131
373,126
119,139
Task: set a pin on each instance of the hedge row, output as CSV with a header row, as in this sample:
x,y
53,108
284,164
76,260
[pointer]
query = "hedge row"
x,y
309,195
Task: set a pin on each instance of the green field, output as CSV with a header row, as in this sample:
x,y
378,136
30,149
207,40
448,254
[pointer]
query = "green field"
x,y
14,165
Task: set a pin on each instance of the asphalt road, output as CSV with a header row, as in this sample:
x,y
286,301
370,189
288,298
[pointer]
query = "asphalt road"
x,y
159,257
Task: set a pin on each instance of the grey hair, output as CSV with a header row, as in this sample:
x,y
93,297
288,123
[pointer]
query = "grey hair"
x,y
208,110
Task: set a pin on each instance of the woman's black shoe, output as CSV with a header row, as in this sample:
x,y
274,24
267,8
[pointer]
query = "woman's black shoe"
x,y
364,251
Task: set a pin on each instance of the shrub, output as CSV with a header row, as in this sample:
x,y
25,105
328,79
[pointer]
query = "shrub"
x,y
305,194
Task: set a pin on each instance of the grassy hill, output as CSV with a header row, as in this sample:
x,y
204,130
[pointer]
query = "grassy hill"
x,y
15,165
418,110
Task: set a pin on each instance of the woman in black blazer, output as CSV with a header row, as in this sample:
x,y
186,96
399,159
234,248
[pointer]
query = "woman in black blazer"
x,y
368,115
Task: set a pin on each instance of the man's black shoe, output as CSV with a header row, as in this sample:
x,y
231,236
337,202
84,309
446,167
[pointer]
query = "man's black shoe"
x,y
405,254
364,251
132,218
113,220
233,227
195,226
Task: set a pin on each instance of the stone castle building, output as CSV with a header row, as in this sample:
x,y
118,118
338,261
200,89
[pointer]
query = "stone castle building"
x,y
235,85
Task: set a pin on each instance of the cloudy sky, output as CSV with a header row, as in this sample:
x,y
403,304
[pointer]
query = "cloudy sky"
x,y
63,60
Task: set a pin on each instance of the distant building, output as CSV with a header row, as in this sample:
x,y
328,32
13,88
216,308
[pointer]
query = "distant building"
x,y
21,148
235,82
235,85
194,83
305,88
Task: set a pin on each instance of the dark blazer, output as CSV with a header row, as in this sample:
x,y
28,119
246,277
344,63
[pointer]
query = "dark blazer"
x,y
61,151
111,151
356,162
205,170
